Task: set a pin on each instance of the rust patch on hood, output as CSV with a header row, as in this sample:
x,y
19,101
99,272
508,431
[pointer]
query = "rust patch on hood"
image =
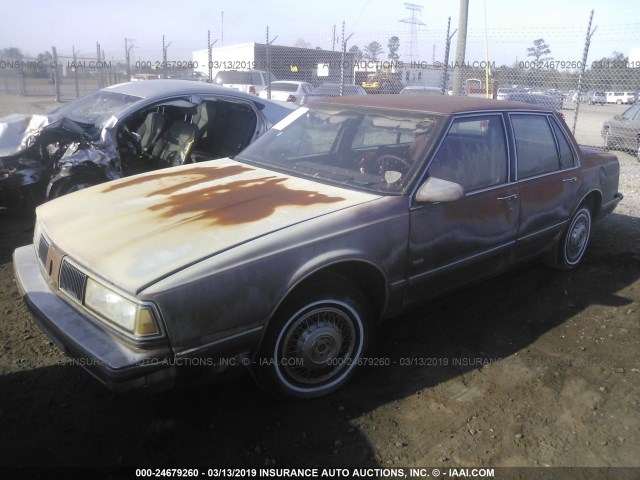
x,y
201,193
199,174
237,202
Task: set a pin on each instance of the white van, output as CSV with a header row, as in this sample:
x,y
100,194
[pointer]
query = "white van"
x,y
620,97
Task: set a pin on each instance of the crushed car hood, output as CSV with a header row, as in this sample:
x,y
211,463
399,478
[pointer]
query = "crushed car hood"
x,y
19,132
137,230
15,131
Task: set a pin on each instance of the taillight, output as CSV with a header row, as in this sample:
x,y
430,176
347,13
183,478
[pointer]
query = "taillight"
x,y
252,89
304,100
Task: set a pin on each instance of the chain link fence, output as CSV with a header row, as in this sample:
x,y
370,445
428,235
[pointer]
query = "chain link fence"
x,y
64,77
589,72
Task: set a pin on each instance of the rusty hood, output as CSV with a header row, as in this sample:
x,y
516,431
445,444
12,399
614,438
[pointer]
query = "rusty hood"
x,y
137,230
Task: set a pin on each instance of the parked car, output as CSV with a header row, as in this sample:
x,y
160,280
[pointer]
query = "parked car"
x,y
288,91
382,83
536,99
248,81
620,97
622,132
420,90
348,212
583,97
327,90
140,77
503,93
123,130
597,98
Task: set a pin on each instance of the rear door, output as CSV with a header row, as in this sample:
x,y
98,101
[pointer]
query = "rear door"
x,y
548,178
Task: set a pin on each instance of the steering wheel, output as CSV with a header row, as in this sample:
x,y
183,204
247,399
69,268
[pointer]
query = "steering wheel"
x,y
132,140
379,164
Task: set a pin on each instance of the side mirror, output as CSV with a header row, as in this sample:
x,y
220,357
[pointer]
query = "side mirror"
x,y
439,190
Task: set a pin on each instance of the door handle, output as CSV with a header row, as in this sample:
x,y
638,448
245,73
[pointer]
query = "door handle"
x,y
509,197
570,180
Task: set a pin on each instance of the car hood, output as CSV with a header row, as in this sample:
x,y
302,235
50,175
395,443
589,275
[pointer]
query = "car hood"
x,y
137,230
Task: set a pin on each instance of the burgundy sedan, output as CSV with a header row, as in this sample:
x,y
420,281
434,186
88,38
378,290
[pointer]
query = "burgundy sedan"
x,y
281,259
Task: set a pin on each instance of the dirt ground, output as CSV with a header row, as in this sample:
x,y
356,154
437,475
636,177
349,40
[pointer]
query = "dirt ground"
x,y
532,368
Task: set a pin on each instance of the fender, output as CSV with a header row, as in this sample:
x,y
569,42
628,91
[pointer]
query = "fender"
x,y
95,171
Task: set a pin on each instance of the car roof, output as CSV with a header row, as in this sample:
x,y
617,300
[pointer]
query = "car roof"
x,y
163,87
445,104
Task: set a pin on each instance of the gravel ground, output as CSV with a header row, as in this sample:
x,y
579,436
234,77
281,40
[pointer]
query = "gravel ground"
x,y
532,368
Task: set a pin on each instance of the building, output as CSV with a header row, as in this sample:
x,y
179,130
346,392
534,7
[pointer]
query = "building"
x,y
315,66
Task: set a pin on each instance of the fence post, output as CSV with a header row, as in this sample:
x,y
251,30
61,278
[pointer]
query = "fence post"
x,y
344,59
268,47
56,80
585,52
98,73
75,70
445,69
23,91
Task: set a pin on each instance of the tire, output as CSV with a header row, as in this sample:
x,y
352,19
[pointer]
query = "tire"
x,y
568,252
72,184
314,343
619,102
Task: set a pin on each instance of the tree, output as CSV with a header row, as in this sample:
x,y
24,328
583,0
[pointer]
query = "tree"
x,y
11,53
44,62
394,45
357,53
302,43
372,51
538,51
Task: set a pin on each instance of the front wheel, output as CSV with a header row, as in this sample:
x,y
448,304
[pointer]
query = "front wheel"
x,y
569,251
73,183
316,341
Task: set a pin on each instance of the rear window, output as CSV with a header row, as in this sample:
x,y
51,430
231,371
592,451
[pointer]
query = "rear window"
x,y
284,87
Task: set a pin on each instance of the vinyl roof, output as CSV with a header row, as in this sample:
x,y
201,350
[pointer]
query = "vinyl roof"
x,y
445,104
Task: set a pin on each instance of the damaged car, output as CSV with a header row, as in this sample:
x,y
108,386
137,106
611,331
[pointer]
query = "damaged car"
x,y
283,259
124,130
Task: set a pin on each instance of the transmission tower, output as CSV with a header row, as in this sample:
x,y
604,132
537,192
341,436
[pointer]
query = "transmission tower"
x,y
413,23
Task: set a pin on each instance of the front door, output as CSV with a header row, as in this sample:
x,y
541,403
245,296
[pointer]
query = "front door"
x,y
454,242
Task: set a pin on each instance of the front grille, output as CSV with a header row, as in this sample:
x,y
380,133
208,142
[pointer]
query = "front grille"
x,y
43,250
72,281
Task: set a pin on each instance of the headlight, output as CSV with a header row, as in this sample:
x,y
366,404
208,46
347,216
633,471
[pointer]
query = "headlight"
x,y
131,316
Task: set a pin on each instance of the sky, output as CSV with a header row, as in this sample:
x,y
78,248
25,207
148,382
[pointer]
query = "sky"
x,y
511,26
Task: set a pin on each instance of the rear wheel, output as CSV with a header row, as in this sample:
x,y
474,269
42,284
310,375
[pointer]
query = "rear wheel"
x,y
569,251
316,341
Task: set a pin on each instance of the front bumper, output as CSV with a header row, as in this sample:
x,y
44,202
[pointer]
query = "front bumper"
x,y
117,365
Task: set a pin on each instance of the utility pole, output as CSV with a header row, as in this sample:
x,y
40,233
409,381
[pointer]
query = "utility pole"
x,y
461,47
222,28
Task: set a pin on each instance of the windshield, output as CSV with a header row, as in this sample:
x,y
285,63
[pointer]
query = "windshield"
x,y
95,108
373,149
